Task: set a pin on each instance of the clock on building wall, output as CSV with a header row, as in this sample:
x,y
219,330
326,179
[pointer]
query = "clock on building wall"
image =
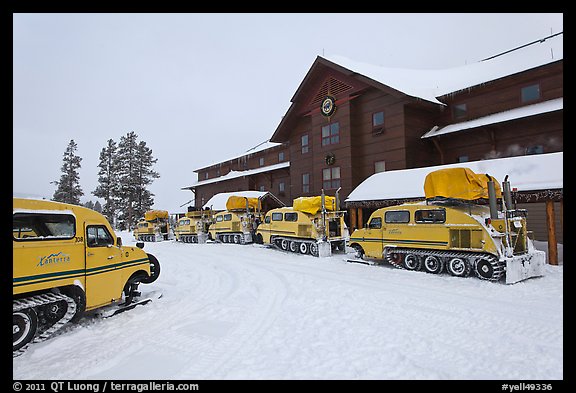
x,y
328,106
330,159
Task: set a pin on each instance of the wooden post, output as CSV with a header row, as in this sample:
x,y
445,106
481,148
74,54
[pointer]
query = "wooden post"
x,y
360,220
353,224
562,218
550,224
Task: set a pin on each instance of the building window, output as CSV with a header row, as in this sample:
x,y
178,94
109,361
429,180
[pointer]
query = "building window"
x,y
530,93
305,182
262,188
281,156
379,166
463,159
537,149
305,145
261,161
459,111
205,175
331,134
281,187
331,178
378,123
377,119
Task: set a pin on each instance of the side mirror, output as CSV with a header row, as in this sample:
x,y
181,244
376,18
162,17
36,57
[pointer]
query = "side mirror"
x,y
119,241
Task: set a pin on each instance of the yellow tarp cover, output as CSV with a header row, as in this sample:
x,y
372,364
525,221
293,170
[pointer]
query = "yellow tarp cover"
x,y
239,203
313,205
458,183
152,215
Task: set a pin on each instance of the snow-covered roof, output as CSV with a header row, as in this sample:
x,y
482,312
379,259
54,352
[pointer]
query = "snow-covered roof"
x,y
516,113
236,174
526,173
428,84
258,148
218,201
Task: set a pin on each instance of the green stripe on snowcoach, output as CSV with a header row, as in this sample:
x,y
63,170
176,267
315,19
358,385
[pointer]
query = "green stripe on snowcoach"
x,y
399,241
47,277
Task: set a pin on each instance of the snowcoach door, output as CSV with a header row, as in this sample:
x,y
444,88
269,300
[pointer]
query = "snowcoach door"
x,y
373,237
103,267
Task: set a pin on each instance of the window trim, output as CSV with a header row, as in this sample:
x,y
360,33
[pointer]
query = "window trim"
x,y
305,148
332,179
96,226
330,134
379,226
306,186
434,220
42,238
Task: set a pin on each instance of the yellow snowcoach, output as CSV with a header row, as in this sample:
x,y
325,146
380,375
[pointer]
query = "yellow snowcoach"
x,y
238,222
460,228
68,260
193,227
155,226
313,225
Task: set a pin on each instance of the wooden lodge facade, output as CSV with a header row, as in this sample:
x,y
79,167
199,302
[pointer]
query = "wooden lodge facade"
x,y
348,121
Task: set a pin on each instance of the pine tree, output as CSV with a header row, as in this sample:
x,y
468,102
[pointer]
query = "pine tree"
x,y
108,182
68,187
135,173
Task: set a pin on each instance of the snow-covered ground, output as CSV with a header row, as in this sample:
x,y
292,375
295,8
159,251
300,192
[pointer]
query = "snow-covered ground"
x,y
250,312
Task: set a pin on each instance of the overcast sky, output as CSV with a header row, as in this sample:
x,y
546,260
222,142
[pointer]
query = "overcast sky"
x,y
200,88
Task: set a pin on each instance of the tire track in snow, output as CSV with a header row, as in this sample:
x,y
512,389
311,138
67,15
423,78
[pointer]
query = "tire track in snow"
x,y
218,355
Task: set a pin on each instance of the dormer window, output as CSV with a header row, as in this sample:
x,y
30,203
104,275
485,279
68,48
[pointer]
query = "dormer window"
x,y
459,111
530,93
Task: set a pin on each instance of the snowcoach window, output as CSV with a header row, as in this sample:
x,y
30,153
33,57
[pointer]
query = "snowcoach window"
x,y
40,226
291,216
397,216
267,220
375,223
219,218
276,216
98,236
430,216
227,217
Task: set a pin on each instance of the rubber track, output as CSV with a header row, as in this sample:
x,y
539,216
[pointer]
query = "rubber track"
x,y
278,240
43,300
497,266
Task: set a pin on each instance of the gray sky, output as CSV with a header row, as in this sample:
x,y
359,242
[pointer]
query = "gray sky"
x,y
200,88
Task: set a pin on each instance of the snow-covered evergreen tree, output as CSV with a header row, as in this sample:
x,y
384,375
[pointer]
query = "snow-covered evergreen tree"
x,y
108,180
135,173
68,187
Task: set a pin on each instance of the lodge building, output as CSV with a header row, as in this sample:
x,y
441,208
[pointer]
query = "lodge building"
x,y
350,120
